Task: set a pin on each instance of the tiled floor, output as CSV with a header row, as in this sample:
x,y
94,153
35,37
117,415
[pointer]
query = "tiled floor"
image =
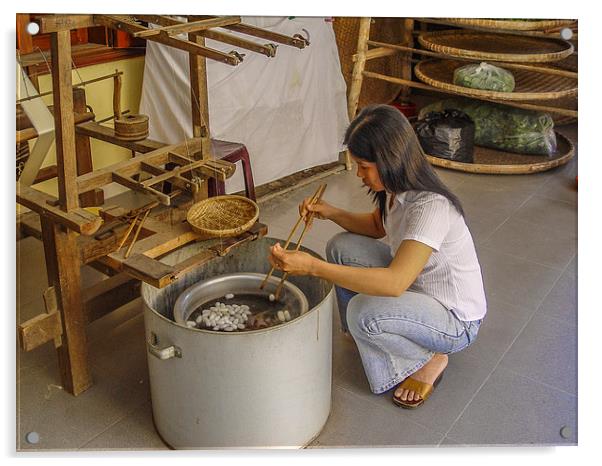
x,y
516,385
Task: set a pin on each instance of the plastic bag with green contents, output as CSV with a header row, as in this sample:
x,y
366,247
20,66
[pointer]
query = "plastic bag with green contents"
x,y
484,76
504,128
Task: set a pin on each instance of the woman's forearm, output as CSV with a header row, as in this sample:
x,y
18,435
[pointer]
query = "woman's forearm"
x,y
360,223
371,281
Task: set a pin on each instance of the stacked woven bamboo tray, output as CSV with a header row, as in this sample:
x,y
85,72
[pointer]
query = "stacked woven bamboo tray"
x,y
539,81
510,24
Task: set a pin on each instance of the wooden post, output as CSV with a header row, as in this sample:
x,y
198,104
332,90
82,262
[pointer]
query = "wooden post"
x,y
60,244
60,45
408,41
63,270
84,153
199,100
357,76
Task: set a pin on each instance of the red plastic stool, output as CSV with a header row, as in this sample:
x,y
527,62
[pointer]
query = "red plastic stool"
x,y
231,152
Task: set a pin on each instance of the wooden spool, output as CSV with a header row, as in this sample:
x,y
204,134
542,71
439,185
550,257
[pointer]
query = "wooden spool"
x,y
530,85
496,162
495,46
131,127
223,216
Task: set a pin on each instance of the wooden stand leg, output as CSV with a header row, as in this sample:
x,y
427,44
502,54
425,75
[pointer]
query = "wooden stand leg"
x,y
357,76
63,269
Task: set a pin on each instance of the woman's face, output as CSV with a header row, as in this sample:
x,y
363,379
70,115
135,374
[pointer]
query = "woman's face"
x,y
368,172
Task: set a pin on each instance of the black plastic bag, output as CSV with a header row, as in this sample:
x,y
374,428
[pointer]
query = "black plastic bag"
x,y
448,134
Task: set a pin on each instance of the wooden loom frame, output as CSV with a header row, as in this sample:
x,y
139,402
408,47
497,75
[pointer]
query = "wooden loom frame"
x,y
74,237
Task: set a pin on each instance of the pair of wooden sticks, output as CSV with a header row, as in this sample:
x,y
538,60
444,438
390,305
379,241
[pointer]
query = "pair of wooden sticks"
x,y
314,200
129,230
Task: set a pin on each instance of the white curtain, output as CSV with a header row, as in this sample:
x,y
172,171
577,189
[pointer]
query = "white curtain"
x,y
290,110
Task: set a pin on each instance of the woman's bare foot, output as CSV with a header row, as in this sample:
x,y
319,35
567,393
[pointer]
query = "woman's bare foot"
x,y
427,374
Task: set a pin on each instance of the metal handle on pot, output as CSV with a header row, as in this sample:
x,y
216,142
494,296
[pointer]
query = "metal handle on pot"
x,y
163,353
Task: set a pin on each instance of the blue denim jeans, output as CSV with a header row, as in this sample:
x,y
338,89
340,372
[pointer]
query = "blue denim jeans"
x,y
395,336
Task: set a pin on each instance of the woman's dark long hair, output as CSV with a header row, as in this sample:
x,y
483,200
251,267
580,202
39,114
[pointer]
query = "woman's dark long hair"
x,y
381,134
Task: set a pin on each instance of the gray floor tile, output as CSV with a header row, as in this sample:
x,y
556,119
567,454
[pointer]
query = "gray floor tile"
x,y
452,178
515,280
501,326
514,410
354,422
134,432
558,217
65,422
561,301
463,377
482,223
534,242
487,197
560,188
506,183
546,351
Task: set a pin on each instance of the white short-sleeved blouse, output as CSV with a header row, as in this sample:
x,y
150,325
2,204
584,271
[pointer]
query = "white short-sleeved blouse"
x,y
452,274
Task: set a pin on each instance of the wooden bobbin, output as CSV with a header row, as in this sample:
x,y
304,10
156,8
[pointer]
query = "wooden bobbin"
x,y
133,127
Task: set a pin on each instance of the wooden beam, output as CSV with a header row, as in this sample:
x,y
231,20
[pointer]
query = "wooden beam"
x,y
191,26
109,294
31,133
60,45
123,23
79,220
104,133
104,176
39,330
269,35
62,23
268,50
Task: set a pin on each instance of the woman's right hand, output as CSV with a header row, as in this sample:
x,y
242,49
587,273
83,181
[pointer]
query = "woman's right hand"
x,y
321,210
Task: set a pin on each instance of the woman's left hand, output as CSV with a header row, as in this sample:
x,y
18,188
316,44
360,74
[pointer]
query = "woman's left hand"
x,y
292,262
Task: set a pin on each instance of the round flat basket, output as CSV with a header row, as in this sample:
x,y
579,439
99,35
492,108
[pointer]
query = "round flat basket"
x,y
529,85
223,216
496,162
496,47
510,24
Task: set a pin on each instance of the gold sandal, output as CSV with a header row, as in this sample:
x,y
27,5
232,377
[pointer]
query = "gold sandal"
x,y
423,389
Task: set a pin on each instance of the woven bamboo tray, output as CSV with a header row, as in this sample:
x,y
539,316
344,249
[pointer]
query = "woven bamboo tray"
x,y
496,162
508,25
496,47
530,85
223,216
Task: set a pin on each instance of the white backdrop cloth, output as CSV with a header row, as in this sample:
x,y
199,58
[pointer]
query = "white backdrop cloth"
x,y
290,110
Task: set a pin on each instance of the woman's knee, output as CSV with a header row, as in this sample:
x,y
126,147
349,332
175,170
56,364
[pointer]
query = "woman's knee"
x,y
336,247
360,316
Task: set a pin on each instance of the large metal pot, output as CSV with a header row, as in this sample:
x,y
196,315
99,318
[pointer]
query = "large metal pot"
x,y
260,388
237,283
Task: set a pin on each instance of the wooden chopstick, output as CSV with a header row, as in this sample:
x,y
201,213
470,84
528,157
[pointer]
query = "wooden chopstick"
x,y
288,240
127,253
310,217
127,233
